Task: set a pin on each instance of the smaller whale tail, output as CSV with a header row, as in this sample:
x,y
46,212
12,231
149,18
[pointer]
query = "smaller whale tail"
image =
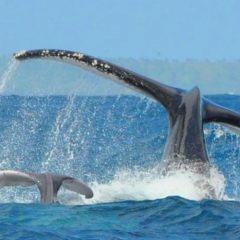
x,y
47,184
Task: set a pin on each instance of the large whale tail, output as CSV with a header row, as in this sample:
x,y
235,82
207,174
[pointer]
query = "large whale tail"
x,y
48,184
188,111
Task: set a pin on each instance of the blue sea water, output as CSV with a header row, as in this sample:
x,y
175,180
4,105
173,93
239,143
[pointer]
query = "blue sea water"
x,y
115,144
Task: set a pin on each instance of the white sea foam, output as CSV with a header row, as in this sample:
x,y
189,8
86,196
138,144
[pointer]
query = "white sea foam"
x,y
148,185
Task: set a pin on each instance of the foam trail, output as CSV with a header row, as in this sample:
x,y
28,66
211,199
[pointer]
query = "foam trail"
x,y
7,74
149,185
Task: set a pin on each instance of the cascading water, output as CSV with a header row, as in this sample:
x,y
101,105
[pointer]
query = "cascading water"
x,y
223,149
7,74
61,131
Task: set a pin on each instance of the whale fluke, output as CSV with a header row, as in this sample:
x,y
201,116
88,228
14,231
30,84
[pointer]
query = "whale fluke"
x,y
48,184
170,97
188,110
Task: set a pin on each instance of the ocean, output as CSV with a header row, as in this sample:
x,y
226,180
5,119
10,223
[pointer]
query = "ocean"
x,y
114,143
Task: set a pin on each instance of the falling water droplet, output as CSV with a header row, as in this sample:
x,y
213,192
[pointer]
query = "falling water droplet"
x,y
7,74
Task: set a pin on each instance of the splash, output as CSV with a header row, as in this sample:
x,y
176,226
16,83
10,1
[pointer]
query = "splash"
x,y
140,185
62,119
19,194
72,133
7,74
136,185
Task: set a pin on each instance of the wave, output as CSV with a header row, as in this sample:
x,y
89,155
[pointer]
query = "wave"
x,y
140,185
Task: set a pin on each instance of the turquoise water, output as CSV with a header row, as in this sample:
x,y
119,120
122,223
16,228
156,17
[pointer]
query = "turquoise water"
x,y
115,144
